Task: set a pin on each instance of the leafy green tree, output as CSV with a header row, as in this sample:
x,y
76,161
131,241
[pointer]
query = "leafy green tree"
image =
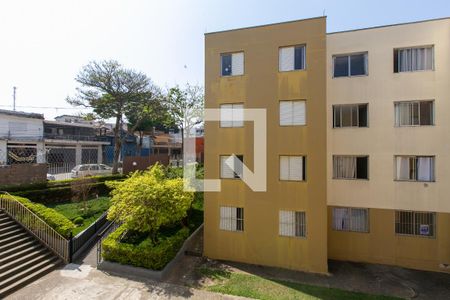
x,y
147,200
115,92
185,106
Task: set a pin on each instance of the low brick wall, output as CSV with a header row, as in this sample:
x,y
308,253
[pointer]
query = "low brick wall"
x,y
141,163
22,174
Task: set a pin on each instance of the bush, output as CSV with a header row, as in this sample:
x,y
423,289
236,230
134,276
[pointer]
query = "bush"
x,y
147,200
146,254
58,222
78,221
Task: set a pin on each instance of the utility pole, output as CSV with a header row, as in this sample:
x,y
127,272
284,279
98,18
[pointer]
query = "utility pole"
x,y
14,98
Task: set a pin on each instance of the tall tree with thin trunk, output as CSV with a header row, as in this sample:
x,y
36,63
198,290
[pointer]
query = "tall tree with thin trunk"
x,y
113,91
185,106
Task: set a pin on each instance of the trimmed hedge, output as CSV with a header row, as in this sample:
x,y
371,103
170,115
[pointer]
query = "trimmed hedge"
x,y
57,221
59,191
55,184
145,254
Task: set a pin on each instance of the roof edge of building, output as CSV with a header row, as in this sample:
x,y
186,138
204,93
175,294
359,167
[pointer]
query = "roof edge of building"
x,y
264,25
389,25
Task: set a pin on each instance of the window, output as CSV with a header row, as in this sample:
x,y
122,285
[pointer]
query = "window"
x,y
350,115
292,168
232,64
413,59
227,172
415,168
292,58
292,223
414,113
292,113
350,167
350,65
415,223
232,115
232,218
351,219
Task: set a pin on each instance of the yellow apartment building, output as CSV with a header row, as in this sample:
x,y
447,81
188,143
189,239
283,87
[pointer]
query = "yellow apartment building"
x,y
358,160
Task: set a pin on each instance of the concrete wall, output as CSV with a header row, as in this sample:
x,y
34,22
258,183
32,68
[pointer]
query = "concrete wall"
x,y
33,130
263,86
381,244
23,174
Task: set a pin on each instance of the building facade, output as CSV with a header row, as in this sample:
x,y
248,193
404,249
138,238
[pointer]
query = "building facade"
x,y
388,158
243,71
357,152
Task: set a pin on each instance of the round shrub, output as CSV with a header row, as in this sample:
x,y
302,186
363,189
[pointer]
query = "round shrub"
x,y
78,221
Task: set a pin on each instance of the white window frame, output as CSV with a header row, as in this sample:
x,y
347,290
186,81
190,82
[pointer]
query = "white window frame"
x,y
288,225
234,56
286,175
366,64
352,225
293,114
283,49
413,224
229,220
412,48
397,119
237,115
414,171
335,106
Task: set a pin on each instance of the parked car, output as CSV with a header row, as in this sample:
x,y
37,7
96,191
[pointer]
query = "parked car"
x,y
50,177
90,170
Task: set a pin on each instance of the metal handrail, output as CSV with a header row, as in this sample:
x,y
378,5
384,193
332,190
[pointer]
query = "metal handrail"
x,y
35,225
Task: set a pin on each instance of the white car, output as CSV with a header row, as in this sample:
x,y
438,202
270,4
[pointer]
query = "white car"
x,y
90,170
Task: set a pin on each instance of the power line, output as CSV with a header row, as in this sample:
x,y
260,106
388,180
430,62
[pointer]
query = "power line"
x,y
46,107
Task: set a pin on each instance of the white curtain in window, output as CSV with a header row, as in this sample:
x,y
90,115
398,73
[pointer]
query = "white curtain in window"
x,y
403,167
344,167
359,219
286,59
233,220
415,59
225,217
425,169
341,218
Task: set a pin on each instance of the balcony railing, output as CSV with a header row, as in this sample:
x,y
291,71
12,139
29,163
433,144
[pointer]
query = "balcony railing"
x,y
89,138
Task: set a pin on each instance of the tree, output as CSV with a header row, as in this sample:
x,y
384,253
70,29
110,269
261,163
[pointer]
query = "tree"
x,y
156,115
81,189
186,107
148,200
115,92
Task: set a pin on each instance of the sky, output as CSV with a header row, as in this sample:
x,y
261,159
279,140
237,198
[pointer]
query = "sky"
x,y
44,44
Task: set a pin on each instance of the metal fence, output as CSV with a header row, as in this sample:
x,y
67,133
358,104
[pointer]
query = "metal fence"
x,y
110,228
87,237
35,225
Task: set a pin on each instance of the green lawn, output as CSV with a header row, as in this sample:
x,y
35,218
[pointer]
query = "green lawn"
x,y
72,210
253,286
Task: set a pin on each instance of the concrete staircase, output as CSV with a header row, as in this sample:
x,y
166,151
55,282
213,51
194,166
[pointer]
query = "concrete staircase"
x,y
23,258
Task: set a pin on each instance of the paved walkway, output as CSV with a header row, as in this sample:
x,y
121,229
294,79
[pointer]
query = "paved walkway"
x,y
83,282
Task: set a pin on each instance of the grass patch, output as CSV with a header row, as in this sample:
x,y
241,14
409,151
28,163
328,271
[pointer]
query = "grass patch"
x,y
257,287
74,210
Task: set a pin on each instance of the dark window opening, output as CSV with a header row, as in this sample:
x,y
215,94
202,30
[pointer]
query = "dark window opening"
x,y
362,167
226,64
